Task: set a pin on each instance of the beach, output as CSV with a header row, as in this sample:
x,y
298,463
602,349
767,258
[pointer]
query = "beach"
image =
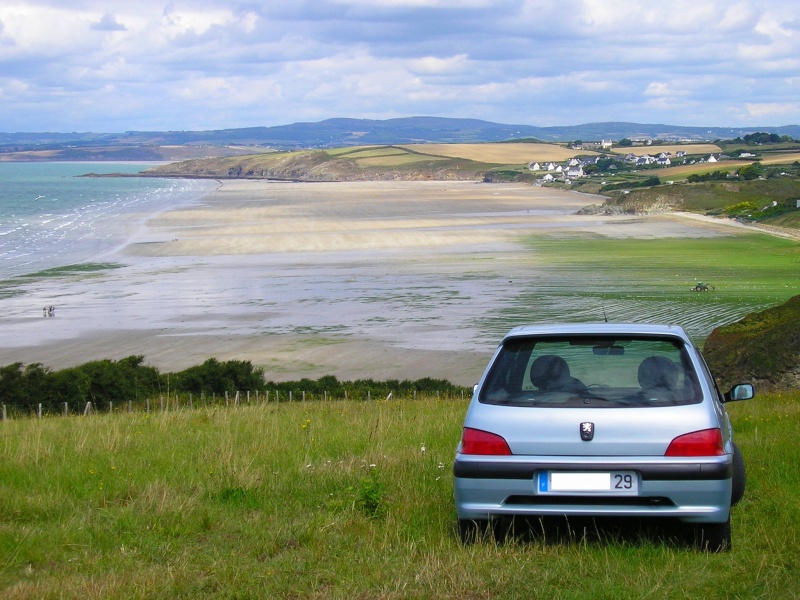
x,y
381,280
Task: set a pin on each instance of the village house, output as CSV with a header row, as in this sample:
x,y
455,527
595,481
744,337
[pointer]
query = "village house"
x,y
574,171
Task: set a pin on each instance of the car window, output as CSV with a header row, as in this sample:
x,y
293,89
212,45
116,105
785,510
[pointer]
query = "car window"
x,y
597,371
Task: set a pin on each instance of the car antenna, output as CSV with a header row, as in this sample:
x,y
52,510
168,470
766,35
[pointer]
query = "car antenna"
x,y
605,318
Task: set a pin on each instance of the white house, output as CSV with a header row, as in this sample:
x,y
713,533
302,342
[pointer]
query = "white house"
x,y
712,159
575,171
534,166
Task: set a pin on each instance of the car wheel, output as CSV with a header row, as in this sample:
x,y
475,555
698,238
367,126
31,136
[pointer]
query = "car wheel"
x,y
739,476
475,530
472,530
714,537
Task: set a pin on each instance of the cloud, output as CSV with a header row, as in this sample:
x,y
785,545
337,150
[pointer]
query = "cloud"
x,y
180,64
761,111
108,23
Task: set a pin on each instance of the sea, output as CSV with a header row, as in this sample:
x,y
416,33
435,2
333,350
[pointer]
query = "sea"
x,y
52,217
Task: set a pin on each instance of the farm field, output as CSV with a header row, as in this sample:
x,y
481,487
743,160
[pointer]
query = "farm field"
x,y
501,154
781,159
673,148
683,171
343,499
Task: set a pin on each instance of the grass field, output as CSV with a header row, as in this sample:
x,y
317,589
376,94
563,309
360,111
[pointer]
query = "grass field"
x,y
342,499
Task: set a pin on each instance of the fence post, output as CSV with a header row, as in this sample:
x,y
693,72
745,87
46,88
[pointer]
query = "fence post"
x,y
304,395
110,407
236,399
4,412
191,402
66,409
130,405
161,400
40,410
88,409
248,396
226,397
148,406
290,395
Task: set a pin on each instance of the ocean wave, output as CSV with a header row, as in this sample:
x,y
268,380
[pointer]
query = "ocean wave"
x,y
83,217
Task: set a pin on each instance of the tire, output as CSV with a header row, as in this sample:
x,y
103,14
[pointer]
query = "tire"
x,y
739,476
713,537
472,530
495,530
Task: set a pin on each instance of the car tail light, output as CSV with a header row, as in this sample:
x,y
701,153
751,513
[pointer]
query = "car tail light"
x,y
707,442
475,441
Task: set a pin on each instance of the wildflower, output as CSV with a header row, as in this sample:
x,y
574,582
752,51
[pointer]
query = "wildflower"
x,y
422,449
91,471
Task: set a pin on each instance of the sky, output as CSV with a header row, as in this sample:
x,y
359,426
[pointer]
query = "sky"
x,y
147,65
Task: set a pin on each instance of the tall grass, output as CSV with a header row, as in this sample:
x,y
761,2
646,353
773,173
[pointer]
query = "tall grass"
x,y
338,499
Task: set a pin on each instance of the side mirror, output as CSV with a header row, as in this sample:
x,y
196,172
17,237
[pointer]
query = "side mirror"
x,y
743,391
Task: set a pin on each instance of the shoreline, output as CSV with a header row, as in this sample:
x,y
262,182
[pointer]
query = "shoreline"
x,y
381,280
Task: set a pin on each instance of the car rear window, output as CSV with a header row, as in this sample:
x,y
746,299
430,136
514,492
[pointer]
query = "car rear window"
x,y
592,371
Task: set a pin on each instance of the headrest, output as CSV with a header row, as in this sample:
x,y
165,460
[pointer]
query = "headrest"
x,y
658,372
548,370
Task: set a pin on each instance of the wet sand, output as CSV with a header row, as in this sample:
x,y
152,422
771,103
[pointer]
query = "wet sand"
x,y
359,280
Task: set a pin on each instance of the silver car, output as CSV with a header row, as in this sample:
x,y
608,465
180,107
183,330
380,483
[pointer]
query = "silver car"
x,y
600,420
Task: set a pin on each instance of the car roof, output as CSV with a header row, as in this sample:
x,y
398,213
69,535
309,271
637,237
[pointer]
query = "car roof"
x,y
654,329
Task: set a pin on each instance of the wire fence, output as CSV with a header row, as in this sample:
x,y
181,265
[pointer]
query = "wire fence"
x,y
176,402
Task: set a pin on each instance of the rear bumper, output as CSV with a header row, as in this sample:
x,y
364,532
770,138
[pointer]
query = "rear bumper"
x,y
695,490
477,469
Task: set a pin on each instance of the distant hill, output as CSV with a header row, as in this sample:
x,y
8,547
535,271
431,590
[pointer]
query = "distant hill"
x,y
335,133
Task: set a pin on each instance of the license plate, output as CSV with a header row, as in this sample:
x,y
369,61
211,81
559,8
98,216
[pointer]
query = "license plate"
x,y
611,483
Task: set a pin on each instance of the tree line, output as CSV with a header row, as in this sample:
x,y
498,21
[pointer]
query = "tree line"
x,y
103,382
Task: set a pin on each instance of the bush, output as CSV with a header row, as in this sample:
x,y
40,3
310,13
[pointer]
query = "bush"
x,y
106,381
763,347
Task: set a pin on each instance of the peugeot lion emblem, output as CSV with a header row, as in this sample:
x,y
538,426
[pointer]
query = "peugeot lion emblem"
x,y
587,431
